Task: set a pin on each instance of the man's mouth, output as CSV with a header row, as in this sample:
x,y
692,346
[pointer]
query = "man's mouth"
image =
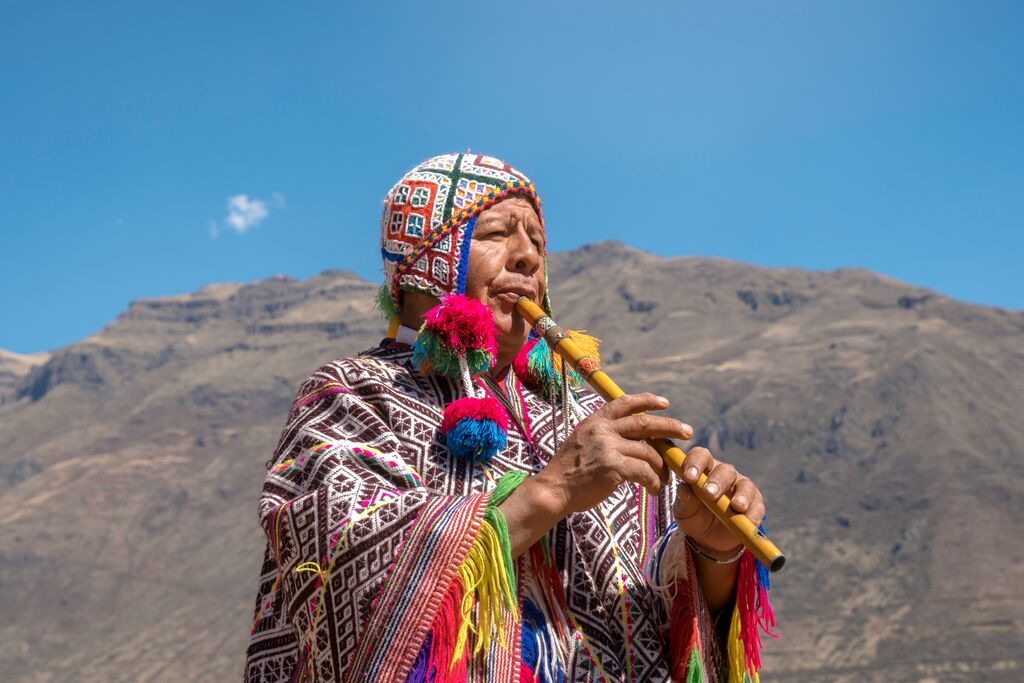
x,y
511,294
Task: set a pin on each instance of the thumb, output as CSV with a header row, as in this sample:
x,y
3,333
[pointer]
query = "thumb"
x,y
687,506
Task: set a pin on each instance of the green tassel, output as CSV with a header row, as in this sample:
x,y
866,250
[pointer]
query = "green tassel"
x,y
505,486
432,355
544,372
496,518
694,669
479,361
386,304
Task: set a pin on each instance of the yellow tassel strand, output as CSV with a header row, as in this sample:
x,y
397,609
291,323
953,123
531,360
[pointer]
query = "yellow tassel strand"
x,y
486,585
588,345
737,659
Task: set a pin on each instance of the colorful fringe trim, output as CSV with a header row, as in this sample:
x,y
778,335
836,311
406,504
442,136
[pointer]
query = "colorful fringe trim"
x,y
753,613
687,649
470,616
541,369
538,645
457,328
545,629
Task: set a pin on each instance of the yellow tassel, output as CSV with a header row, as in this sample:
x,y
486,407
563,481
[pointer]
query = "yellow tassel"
x,y
393,328
486,586
737,659
587,343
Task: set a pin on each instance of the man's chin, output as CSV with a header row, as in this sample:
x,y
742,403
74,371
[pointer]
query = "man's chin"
x,y
511,330
505,314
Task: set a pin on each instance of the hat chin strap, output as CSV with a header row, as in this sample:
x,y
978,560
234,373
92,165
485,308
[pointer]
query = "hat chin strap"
x,y
467,379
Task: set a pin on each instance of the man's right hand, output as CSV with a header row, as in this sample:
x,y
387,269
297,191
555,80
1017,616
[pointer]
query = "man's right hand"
x,y
608,448
603,451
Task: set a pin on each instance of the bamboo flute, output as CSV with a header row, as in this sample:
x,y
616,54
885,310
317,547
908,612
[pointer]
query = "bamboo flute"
x,y
762,548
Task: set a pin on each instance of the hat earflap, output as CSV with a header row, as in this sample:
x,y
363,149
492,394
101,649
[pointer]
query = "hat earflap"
x,y
457,340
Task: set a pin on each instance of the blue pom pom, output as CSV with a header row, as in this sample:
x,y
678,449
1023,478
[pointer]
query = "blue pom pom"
x,y
476,440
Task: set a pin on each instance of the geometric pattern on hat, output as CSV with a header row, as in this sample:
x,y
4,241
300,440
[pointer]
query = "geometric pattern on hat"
x,y
429,216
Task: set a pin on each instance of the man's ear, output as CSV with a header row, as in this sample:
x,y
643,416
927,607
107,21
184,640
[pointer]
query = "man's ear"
x,y
414,307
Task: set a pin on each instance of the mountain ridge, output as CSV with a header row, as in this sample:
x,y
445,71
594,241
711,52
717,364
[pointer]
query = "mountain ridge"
x,y
878,418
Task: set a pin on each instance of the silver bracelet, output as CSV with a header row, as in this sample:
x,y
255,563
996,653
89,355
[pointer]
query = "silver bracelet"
x,y
715,560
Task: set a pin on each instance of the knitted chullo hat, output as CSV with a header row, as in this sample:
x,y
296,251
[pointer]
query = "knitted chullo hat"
x,y
428,222
426,228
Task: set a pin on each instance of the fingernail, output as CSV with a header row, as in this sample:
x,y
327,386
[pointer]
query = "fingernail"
x,y
740,501
662,399
711,487
691,474
687,429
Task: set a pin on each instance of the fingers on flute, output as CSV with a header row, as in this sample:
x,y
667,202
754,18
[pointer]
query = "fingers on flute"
x,y
746,498
644,452
721,479
644,426
697,461
755,511
742,494
639,471
627,404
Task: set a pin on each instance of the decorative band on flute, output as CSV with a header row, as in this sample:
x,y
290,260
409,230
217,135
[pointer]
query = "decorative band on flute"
x,y
587,366
554,334
544,325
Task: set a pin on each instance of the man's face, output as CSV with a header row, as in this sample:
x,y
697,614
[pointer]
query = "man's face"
x,y
506,260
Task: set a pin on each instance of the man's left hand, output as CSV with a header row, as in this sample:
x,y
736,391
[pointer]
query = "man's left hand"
x,y
697,521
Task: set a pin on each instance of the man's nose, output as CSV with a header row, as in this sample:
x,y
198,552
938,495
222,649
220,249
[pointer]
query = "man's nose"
x,y
524,257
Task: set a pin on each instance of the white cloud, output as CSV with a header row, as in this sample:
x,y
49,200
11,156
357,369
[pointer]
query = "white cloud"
x,y
245,213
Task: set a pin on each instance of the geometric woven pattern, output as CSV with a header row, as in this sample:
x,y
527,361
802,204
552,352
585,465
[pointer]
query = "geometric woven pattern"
x,y
359,471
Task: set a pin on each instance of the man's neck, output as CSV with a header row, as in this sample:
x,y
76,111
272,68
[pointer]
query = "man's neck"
x,y
498,373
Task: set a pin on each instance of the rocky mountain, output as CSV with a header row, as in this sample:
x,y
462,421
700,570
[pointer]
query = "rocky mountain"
x,y
882,421
14,367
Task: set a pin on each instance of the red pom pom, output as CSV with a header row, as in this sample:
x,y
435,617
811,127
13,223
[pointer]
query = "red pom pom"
x,y
521,363
474,409
463,323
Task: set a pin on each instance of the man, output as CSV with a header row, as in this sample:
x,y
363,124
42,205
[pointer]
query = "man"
x,y
453,505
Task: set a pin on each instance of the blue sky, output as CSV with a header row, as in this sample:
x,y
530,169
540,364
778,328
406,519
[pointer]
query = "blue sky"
x,y
818,135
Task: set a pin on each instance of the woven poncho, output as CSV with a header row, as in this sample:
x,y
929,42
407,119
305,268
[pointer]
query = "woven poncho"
x,y
382,562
